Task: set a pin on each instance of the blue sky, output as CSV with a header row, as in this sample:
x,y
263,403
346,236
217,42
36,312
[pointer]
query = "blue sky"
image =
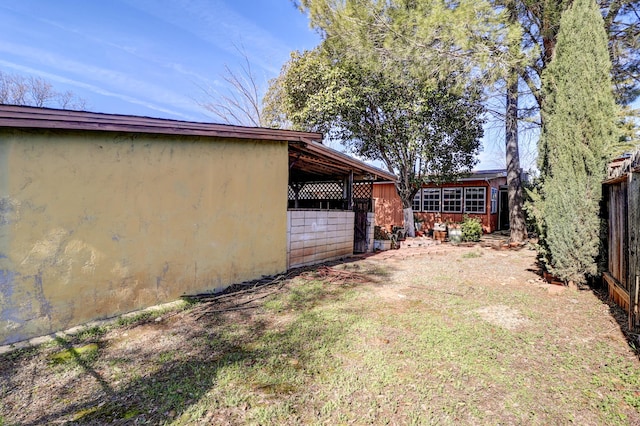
x,y
148,57
152,57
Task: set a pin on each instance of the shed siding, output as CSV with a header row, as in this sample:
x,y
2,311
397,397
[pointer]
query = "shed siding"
x,y
97,224
389,206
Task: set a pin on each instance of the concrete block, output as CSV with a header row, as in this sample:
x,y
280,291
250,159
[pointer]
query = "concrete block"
x,y
295,222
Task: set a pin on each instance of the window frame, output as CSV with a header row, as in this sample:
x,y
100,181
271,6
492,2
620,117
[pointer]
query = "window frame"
x,y
418,198
494,200
475,201
459,199
426,201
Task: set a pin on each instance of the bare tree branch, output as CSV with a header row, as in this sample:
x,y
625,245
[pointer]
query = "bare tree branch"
x,y
240,102
16,89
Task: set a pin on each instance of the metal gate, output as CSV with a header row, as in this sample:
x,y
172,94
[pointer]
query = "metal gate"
x,y
361,209
362,205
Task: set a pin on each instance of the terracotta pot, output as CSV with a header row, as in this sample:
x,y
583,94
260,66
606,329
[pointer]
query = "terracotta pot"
x,y
439,235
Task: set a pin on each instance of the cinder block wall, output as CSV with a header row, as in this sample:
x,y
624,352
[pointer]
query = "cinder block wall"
x,y
316,236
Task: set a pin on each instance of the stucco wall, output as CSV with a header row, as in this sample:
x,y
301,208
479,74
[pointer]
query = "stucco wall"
x,y
319,235
96,224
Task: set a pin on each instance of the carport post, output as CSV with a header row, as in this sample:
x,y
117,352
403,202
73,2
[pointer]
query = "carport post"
x,y
348,190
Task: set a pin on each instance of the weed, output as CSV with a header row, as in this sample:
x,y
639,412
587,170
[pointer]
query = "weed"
x,y
138,317
320,353
275,304
472,255
165,357
91,333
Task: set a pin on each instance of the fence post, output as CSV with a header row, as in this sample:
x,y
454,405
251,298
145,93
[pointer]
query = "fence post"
x,y
633,259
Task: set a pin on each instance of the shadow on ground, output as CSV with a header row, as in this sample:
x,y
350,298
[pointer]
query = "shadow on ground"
x,y
157,390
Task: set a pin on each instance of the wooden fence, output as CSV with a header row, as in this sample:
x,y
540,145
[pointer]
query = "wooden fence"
x,y
621,193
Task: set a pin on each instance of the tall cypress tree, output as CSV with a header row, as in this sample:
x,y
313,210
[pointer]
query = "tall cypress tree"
x,y
578,126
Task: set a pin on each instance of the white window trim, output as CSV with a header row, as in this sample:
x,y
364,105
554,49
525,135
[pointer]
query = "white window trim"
x,y
439,191
455,188
419,195
484,200
494,200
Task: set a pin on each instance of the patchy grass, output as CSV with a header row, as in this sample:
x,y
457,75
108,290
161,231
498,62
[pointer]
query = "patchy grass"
x,y
472,254
80,354
423,341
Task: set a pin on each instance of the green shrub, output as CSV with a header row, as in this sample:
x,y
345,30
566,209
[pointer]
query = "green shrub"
x,y
471,229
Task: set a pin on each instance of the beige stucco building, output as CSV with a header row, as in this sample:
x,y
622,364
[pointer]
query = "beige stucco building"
x,y
103,214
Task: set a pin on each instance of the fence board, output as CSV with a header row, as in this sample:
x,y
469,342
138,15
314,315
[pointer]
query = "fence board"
x,y
633,259
617,241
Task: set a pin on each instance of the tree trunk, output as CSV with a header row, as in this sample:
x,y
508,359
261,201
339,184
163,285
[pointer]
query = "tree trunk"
x,y
406,193
517,226
409,224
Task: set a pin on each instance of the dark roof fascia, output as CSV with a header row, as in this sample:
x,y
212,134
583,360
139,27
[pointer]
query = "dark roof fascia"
x,y
21,117
485,175
477,175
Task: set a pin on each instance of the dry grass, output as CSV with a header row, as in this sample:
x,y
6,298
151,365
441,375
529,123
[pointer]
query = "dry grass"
x,y
453,336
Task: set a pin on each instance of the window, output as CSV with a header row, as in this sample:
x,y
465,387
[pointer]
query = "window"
x,y
494,200
431,199
474,200
451,200
416,202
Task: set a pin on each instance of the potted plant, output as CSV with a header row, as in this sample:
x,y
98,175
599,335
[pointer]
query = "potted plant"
x,y
439,231
381,239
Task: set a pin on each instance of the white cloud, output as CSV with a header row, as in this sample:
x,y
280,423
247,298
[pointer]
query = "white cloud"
x,y
95,89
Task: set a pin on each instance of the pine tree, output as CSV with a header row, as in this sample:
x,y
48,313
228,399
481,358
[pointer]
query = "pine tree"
x,y
579,116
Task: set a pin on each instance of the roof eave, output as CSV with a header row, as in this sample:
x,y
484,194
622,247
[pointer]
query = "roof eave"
x,y
46,118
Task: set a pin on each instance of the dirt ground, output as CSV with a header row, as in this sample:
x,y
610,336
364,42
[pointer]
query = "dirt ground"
x,y
133,363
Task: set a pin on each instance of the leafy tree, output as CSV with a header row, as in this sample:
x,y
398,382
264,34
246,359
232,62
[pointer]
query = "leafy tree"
x,y
540,22
579,117
16,89
417,131
447,49
480,39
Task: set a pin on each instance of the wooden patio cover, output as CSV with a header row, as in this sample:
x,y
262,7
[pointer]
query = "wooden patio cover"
x,y
310,161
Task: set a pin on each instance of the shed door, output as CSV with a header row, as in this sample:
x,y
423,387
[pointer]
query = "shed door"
x,y
503,209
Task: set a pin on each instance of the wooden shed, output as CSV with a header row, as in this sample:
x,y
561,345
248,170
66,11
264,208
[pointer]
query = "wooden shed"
x,y
621,195
481,194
